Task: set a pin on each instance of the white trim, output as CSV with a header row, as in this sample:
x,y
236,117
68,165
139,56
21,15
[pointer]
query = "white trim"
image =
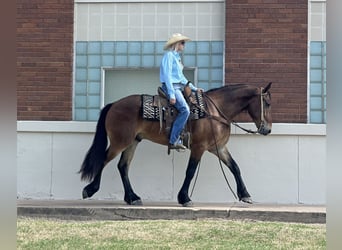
x,y
89,127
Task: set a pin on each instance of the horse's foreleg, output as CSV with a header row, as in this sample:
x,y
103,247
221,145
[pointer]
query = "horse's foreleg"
x,y
183,195
227,159
126,157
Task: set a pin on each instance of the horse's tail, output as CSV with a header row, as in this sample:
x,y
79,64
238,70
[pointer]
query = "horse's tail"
x,y
96,155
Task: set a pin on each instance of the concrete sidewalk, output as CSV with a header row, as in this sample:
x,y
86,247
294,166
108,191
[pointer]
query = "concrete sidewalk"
x,y
112,210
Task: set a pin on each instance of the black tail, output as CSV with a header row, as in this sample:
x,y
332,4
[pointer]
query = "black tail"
x,y
96,155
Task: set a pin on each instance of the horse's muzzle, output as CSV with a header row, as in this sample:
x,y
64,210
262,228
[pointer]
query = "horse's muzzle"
x,y
264,129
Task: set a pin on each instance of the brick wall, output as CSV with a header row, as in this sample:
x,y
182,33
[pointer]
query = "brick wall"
x,y
266,40
44,59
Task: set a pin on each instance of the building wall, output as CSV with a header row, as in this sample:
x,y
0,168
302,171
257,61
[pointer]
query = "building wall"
x,y
267,41
287,166
45,59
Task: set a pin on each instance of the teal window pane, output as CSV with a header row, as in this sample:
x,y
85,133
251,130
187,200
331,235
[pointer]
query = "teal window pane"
x,y
93,101
217,75
108,60
203,60
216,47
133,61
134,48
316,103
94,88
81,61
190,48
204,85
148,61
217,60
189,60
94,74
315,89
316,75
80,101
94,47
203,75
80,114
315,48
81,74
216,84
121,48
203,47
94,61
315,61
148,48
160,47
108,47
316,117
81,47
93,114
121,61
81,88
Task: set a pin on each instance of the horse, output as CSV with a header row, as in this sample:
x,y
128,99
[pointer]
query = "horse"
x,y
121,122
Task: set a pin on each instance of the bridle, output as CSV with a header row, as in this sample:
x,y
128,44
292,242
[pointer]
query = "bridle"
x,y
223,118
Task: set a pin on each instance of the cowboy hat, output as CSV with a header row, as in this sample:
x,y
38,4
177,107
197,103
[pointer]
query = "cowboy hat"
x,y
174,39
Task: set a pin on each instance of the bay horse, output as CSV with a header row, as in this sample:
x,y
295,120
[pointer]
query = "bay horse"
x,y
122,123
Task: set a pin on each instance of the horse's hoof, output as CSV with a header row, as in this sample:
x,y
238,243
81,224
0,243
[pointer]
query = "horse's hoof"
x,y
137,203
188,204
84,194
247,200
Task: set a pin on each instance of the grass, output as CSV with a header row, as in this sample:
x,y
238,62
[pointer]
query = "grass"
x,y
167,234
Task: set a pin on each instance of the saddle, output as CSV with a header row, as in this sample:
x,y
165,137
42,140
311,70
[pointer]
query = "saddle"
x,y
158,108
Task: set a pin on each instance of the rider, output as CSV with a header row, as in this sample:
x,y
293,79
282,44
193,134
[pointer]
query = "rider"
x,y
173,82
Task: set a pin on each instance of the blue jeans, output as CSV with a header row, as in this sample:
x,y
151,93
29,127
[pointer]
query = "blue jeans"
x,y
182,117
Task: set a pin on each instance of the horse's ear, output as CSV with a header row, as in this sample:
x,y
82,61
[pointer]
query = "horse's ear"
x,y
267,88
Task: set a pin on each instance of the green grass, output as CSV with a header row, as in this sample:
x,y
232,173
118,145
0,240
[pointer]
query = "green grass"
x,y
167,234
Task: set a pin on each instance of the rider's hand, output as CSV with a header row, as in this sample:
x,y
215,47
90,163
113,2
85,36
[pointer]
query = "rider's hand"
x,y
172,101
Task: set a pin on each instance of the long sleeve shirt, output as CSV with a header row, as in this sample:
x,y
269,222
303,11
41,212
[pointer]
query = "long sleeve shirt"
x,y
171,73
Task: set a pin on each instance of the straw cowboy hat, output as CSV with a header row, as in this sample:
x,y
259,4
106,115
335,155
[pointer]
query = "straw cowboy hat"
x,y
174,39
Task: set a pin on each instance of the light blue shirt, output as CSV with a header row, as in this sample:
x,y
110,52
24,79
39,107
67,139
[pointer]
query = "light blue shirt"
x,y
171,73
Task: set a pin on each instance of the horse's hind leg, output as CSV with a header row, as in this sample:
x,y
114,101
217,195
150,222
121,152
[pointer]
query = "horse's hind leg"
x,y
126,157
94,186
227,159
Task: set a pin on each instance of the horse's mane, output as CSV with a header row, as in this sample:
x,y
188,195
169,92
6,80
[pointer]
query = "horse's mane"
x,y
231,87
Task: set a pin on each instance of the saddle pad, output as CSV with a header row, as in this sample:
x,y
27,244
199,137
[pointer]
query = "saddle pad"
x,y
150,111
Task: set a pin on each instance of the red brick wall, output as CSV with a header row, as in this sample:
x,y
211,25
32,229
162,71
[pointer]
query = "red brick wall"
x,y
44,59
266,41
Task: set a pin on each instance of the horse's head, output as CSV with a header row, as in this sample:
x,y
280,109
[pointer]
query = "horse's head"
x,y
260,110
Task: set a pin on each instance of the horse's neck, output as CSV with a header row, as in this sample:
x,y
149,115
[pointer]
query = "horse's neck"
x,y
233,101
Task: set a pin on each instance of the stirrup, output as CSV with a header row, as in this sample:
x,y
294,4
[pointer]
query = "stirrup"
x,y
178,147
